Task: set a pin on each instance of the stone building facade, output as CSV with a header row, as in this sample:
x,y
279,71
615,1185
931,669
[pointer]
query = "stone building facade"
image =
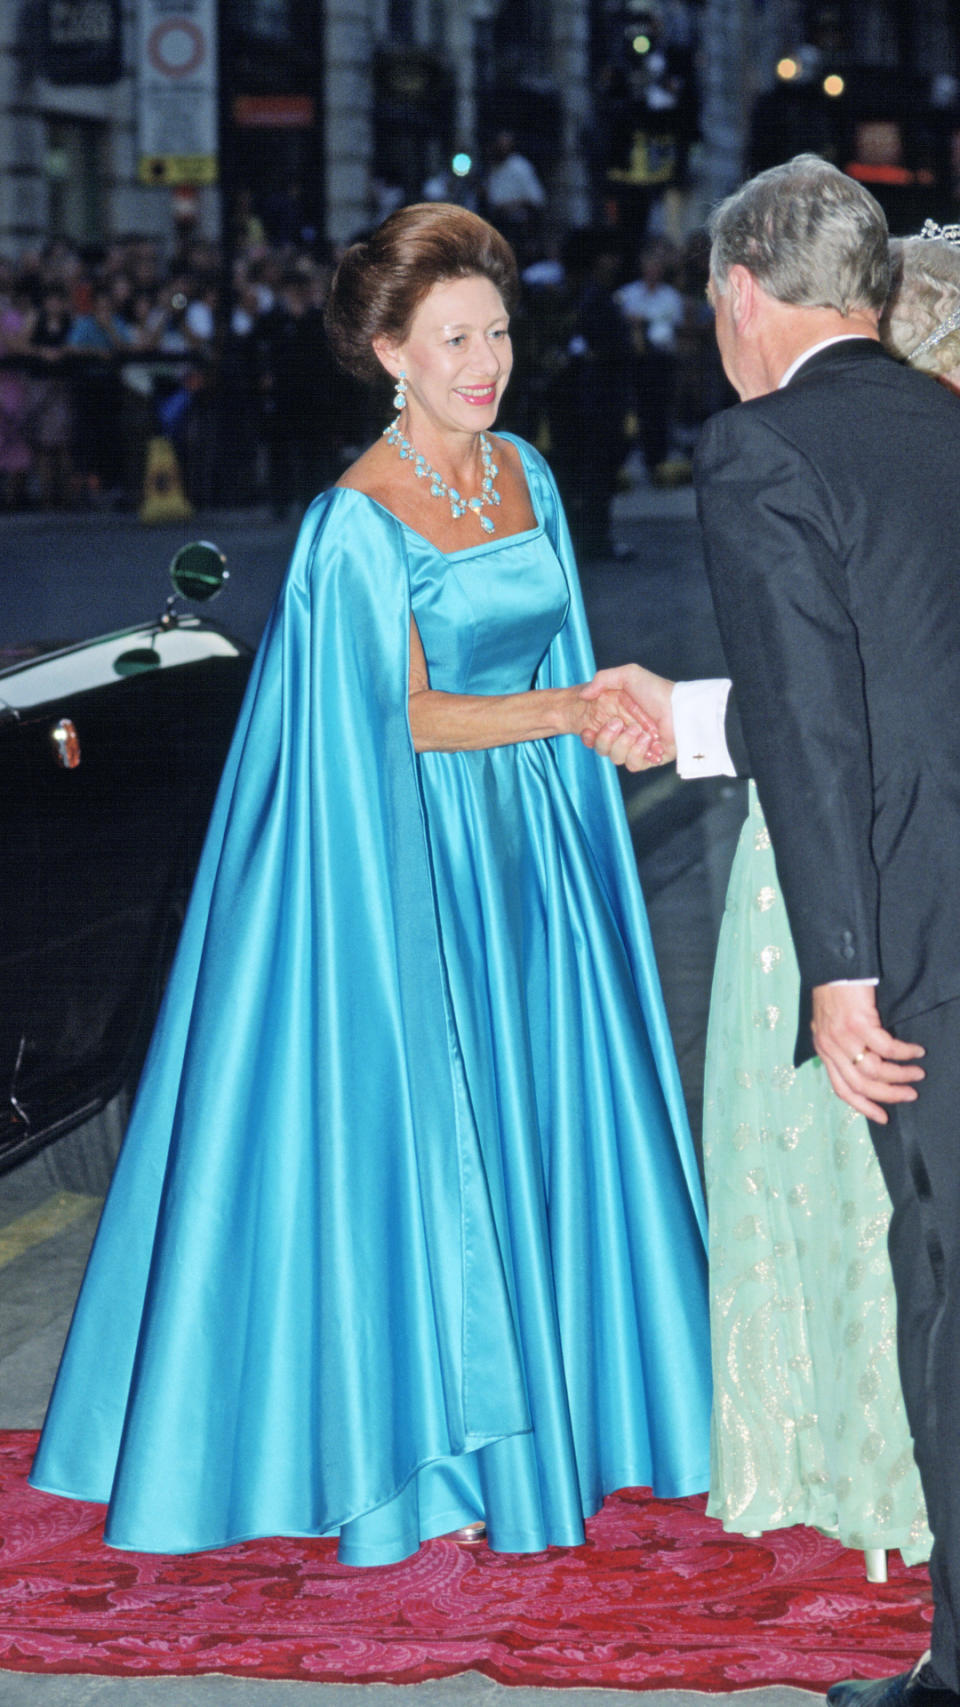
x,y
342,102
334,95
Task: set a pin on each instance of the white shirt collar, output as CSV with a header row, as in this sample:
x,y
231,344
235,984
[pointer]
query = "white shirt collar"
x,y
814,350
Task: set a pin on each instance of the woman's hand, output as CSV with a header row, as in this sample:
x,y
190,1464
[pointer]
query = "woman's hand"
x,y
652,696
613,711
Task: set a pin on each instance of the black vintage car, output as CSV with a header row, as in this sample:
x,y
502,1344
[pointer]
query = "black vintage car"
x,y
110,753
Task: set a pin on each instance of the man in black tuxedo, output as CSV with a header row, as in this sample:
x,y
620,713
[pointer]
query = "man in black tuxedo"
x,y
830,504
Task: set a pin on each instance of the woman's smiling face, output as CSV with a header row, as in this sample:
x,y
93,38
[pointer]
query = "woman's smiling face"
x,y
457,355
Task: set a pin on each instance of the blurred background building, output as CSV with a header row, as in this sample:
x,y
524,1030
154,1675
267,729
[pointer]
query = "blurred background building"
x,y
333,108
332,104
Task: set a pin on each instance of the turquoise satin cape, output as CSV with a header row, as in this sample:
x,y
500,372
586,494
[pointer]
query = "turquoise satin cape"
x,y
298,1235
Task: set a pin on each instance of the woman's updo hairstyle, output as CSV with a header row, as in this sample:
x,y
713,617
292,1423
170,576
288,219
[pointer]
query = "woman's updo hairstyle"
x,y
380,283
918,324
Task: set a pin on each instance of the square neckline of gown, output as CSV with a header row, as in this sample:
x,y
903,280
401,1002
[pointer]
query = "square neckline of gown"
x,y
487,544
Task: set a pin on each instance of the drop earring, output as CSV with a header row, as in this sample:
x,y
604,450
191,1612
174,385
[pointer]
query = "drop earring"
x,y
400,395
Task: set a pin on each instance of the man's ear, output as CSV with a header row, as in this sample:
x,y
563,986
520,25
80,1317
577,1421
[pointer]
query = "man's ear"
x,y
741,285
388,355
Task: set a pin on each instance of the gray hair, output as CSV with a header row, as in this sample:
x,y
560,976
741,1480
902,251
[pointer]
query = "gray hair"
x,y
924,298
809,235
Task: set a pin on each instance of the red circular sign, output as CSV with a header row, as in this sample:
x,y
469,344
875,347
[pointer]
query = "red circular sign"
x,y
176,47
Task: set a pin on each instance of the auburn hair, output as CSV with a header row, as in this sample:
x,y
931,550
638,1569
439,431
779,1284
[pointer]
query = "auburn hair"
x,y
381,281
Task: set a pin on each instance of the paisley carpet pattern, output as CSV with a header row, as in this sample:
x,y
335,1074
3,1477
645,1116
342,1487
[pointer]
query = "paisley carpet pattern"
x,y
659,1597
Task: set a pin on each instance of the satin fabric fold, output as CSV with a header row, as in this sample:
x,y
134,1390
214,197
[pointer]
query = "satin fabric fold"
x,y
347,1279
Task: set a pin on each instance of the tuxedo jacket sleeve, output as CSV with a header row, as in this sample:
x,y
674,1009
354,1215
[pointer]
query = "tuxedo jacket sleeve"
x,y
777,573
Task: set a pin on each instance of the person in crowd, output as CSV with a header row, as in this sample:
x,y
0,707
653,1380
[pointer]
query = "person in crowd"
x,y
831,517
702,385
513,194
655,312
589,397
100,336
200,315
238,398
120,286
249,232
406,1231
205,456
177,381
51,412
16,320
143,382
300,390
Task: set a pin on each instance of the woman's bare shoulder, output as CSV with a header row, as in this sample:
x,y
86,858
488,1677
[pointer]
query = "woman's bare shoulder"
x,y
507,452
372,472
516,454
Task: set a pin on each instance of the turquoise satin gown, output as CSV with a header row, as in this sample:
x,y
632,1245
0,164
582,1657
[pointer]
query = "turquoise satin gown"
x,y
406,1229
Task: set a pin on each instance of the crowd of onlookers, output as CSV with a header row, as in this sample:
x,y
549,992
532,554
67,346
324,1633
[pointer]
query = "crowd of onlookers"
x,y
101,351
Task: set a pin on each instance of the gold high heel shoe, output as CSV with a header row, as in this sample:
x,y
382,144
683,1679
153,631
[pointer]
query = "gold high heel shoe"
x,y
470,1535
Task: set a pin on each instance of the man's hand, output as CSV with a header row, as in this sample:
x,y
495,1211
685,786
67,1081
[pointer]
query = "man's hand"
x,y
867,1066
612,710
653,695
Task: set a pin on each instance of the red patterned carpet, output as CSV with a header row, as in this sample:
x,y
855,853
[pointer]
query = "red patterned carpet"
x,y
658,1597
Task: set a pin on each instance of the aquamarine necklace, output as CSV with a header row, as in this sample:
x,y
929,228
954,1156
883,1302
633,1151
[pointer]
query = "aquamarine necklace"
x,y
438,486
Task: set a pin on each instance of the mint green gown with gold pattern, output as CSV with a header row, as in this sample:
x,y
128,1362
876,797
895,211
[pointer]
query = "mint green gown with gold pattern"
x,y
808,1418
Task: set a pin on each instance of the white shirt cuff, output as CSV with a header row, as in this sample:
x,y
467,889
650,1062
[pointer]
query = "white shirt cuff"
x,y
699,714
846,981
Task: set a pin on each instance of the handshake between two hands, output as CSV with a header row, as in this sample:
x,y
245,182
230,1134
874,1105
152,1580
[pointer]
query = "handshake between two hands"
x,y
628,717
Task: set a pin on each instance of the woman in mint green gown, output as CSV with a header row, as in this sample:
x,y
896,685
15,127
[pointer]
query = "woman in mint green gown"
x,y
406,1230
808,1421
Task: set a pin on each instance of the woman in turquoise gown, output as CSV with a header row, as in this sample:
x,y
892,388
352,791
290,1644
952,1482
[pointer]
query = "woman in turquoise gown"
x,y
406,1231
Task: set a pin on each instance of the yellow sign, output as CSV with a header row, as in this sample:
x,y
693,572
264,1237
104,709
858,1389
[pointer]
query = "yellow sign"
x,y
653,160
178,169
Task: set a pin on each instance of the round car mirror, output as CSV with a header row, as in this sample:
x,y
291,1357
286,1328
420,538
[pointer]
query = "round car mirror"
x,y
199,570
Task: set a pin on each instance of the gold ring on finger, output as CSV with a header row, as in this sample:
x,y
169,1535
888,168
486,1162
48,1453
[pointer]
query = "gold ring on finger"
x,y
858,1058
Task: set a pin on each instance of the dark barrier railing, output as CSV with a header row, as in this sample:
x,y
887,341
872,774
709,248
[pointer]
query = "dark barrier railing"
x,y
243,431
77,424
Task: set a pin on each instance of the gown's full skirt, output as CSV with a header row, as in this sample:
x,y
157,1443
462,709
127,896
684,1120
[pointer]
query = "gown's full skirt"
x,y
405,1230
808,1422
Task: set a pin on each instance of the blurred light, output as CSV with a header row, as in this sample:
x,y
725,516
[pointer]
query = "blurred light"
x,y
460,165
833,85
641,44
787,69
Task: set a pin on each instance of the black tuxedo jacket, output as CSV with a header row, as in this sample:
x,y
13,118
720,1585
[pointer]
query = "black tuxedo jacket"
x,y
831,518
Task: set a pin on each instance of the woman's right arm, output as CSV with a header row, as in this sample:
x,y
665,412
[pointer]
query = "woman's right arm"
x,y
460,722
